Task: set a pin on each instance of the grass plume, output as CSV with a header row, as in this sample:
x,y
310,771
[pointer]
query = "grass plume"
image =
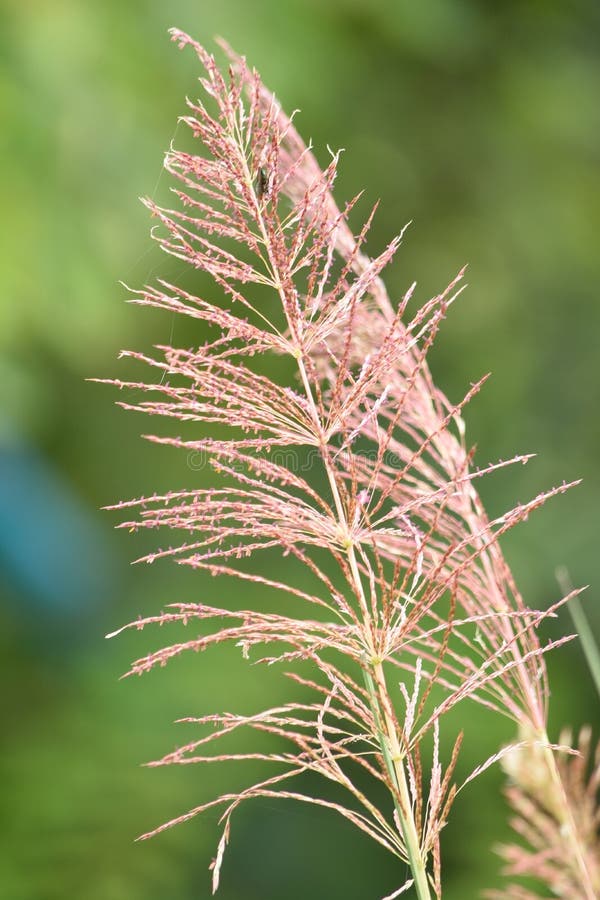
x,y
412,608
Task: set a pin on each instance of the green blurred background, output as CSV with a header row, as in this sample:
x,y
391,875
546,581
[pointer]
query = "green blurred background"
x,y
478,121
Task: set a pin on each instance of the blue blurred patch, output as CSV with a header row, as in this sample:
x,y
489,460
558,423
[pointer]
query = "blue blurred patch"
x,y
53,555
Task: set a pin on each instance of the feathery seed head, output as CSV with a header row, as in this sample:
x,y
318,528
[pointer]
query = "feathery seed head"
x,y
407,576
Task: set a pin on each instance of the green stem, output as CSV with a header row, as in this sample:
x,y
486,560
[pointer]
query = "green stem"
x,y
588,641
376,687
392,756
586,635
379,698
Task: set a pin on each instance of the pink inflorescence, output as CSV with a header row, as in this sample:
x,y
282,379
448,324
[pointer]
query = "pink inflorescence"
x,y
408,581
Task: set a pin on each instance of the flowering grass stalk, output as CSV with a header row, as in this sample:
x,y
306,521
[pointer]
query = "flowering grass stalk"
x,y
411,608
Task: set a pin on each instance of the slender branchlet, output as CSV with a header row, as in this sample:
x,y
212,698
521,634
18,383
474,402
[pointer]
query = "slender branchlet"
x,y
409,605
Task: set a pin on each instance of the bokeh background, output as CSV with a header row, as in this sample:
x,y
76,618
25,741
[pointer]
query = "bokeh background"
x,y
479,122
